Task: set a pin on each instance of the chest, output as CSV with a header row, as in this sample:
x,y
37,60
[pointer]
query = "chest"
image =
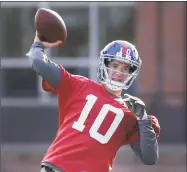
x,y
99,115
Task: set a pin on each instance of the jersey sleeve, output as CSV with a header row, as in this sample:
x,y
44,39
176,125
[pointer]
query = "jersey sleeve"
x,y
48,87
134,134
68,84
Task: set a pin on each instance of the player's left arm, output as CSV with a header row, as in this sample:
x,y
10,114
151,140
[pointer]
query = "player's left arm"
x,y
145,145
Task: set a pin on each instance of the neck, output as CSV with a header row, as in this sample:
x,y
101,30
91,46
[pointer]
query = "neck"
x,y
115,93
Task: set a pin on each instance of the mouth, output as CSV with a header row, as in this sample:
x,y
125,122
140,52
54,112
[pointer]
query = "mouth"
x,y
117,79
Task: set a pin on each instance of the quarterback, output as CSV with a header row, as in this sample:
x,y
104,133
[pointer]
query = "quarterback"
x,y
95,120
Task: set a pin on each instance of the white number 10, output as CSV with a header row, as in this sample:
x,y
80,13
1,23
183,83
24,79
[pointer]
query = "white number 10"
x,y
79,125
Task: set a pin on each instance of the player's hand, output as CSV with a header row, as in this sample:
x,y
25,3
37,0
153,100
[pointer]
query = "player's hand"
x,y
47,44
136,106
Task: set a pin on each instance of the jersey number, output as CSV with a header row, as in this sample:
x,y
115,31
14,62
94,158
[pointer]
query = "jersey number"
x,y
79,125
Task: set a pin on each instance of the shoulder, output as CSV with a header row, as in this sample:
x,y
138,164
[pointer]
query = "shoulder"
x,y
81,78
89,81
71,78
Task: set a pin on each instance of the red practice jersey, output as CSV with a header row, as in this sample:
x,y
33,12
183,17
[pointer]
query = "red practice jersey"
x,y
92,126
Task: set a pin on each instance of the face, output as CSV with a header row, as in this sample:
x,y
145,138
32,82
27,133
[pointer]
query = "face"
x,y
118,71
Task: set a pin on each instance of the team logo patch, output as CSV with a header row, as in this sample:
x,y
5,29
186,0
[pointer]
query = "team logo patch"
x,y
125,52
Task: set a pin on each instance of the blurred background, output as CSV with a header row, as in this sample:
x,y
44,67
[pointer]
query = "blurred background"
x,y
29,115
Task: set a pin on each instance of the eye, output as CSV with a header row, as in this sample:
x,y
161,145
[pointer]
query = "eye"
x,y
126,68
115,66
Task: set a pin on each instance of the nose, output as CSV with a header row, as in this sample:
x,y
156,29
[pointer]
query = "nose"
x,y
119,71
118,74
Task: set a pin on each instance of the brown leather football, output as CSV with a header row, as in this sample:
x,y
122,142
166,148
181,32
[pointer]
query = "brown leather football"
x,y
50,25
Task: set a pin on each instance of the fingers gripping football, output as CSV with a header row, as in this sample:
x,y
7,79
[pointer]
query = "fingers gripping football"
x,y
47,44
136,106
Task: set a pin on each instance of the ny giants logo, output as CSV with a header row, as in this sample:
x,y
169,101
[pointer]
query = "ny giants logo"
x,y
124,52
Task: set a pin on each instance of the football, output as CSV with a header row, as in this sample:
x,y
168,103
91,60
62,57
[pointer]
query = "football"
x,y
50,26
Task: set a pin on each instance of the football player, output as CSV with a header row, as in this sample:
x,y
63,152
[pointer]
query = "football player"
x,y
95,120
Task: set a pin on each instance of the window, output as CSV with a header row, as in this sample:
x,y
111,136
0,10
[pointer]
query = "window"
x,y
17,31
17,35
115,24
76,20
19,83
